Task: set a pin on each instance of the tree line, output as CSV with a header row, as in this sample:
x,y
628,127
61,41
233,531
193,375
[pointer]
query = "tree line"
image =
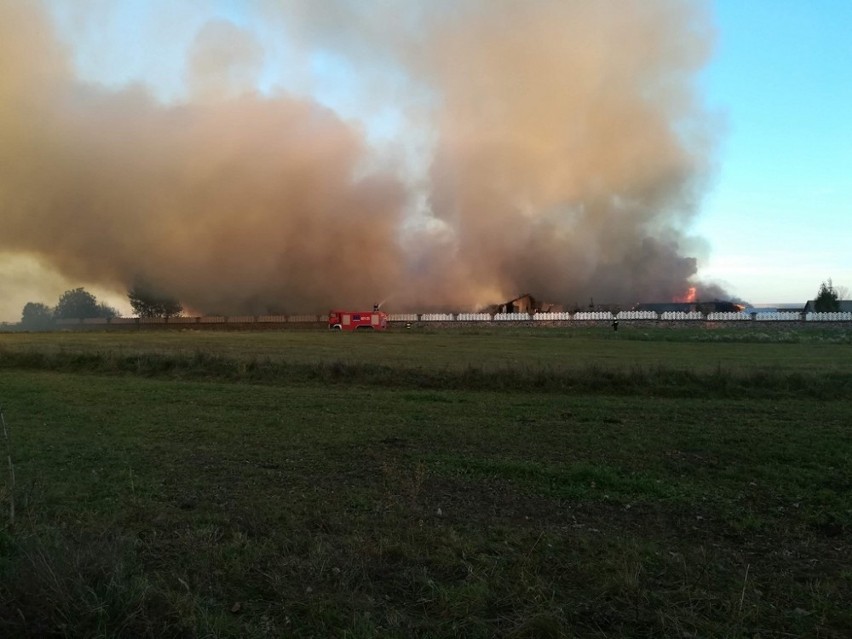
x,y
147,301
78,303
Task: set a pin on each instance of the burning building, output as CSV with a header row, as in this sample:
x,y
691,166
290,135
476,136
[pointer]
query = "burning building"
x,y
525,303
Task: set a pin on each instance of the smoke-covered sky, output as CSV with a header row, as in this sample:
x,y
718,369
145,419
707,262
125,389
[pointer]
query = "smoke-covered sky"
x,y
294,156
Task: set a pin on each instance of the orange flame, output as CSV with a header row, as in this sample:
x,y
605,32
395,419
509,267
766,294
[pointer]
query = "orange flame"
x,y
688,297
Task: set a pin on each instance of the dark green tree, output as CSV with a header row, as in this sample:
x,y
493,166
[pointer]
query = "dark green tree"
x,y
78,303
75,304
148,302
827,300
105,310
37,316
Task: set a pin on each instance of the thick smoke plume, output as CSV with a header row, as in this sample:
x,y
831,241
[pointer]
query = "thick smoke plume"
x,y
566,152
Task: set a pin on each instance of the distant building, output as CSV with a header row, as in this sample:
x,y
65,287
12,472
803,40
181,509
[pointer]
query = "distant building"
x,y
843,306
525,303
781,308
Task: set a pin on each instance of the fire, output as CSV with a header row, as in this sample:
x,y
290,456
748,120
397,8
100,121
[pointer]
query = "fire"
x,y
688,297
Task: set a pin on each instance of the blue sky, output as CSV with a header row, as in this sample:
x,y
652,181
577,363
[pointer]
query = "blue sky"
x,y
777,216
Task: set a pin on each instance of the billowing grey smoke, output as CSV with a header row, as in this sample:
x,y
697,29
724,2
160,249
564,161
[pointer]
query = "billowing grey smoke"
x,y
567,154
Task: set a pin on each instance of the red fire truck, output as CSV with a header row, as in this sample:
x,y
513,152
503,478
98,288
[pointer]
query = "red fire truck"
x,y
354,320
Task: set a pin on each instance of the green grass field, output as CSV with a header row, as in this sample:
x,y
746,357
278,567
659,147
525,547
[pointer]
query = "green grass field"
x,y
469,483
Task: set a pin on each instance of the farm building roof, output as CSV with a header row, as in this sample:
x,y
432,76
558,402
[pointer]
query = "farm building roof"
x,y
843,306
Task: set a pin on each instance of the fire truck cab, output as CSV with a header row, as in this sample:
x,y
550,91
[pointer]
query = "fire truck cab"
x,y
355,320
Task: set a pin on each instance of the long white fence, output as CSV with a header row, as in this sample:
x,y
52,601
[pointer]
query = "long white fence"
x,y
681,315
727,317
543,317
828,317
473,317
436,317
637,315
580,316
778,316
593,315
511,317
